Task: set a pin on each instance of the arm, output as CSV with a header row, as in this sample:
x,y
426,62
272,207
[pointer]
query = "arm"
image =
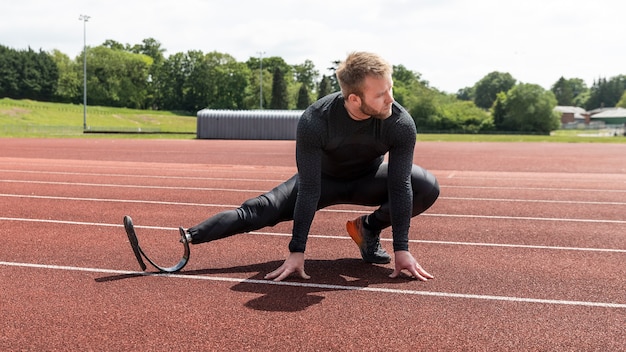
x,y
308,159
400,191
401,200
309,164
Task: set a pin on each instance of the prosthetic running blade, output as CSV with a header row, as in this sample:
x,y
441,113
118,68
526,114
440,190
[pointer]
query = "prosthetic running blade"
x,y
140,254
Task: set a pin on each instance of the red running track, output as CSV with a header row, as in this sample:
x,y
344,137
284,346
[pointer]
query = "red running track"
x,y
527,244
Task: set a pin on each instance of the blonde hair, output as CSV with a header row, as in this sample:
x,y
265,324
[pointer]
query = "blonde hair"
x,y
352,71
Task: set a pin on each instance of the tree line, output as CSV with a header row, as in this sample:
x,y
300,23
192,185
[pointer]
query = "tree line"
x,y
140,76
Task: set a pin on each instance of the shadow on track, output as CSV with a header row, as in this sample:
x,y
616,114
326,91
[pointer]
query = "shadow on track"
x,y
347,274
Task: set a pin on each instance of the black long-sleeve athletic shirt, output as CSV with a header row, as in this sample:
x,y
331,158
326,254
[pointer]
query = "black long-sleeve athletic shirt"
x,y
331,144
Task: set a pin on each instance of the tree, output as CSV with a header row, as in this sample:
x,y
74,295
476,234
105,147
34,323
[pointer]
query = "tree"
x,y
303,98
115,45
464,116
168,82
197,89
40,75
466,93
563,92
569,92
622,101
306,74
334,83
498,111
405,82
418,99
116,78
279,91
606,93
488,87
580,91
526,108
69,83
9,73
26,74
150,47
404,75
228,80
423,107
324,87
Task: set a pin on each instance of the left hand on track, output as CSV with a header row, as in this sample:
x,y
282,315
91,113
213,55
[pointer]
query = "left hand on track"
x,y
405,261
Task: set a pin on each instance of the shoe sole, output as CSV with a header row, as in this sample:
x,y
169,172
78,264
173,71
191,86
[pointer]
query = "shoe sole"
x,y
354,233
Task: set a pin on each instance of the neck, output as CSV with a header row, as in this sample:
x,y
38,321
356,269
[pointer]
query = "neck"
x,y
355,113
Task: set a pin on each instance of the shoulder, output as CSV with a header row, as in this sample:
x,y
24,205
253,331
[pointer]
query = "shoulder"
x,y
318,112
401,119
313,124
325,105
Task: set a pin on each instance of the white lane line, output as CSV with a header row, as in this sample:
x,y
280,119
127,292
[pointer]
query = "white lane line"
x,y
540,176
178,188
499,217
466,216
162,177
326,286
10,195
459,243
87,184
278,234
516,200
547,189
110,200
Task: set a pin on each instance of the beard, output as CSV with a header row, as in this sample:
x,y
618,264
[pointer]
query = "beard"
x,y
377,114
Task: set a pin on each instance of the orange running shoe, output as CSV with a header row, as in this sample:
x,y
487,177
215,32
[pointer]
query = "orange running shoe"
x,y
368,242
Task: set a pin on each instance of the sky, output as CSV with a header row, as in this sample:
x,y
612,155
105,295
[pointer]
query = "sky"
x,y
452,44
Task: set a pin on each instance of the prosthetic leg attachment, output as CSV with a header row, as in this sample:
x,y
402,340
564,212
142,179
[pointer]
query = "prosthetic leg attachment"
x,y
140,254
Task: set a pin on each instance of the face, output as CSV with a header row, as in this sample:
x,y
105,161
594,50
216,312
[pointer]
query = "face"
x,y
377,97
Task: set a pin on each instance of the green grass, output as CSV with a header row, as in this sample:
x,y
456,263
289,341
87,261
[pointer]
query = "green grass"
x,y
27,118
560,136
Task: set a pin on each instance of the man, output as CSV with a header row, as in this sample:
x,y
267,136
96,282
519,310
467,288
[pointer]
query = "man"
x,y
340,147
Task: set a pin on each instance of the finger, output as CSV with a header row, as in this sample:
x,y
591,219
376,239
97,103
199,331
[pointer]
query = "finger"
x,y
271,275
424,273
303,274
417,275
394,274
274,273
415,271
283,275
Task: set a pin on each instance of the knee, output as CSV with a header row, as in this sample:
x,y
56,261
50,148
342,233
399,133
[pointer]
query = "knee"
x,y
258,212
252,207
426,194
432,196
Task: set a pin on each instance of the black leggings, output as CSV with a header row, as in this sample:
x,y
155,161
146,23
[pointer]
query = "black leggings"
x,y
278,204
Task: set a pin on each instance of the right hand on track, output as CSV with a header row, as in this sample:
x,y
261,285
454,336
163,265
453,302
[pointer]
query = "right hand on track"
x,y
293,264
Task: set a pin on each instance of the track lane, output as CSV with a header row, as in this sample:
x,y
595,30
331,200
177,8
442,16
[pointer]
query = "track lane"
x,y
221,302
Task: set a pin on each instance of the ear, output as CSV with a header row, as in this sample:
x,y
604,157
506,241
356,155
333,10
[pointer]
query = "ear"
x,y
354,99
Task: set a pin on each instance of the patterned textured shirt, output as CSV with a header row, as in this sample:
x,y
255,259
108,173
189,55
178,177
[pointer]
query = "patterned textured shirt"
x,y
331,144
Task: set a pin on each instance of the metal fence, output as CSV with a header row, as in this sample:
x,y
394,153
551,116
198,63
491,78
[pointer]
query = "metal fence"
x,y
247,124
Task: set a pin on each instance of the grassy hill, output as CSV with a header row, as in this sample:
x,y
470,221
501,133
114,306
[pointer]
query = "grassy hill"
x,y
27,118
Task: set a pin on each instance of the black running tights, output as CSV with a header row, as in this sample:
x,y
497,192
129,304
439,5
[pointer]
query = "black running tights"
x,y
278,204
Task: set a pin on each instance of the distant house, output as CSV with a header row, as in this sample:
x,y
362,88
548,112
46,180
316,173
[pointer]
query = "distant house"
x,y
572,115
612,116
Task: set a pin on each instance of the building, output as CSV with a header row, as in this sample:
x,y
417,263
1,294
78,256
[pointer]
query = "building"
x,y
615,116
573,115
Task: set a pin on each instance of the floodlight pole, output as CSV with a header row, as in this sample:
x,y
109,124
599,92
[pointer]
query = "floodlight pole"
x,y
84,18
261,79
